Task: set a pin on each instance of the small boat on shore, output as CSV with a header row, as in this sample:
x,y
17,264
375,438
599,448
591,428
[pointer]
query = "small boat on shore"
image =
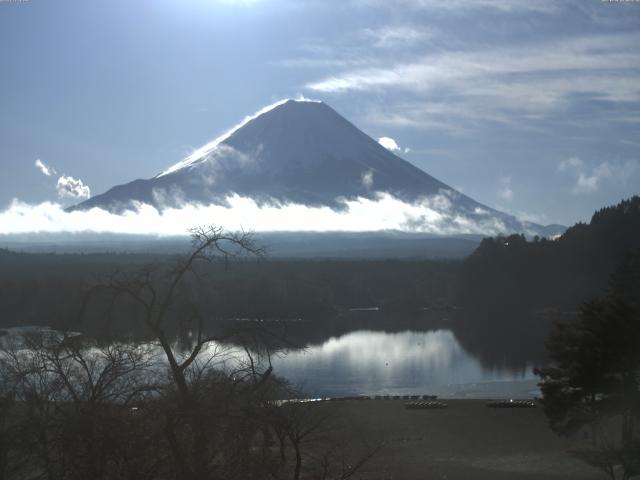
x,y
512,404
425,405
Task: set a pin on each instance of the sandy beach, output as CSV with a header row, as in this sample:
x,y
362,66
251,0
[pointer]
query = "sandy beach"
x,y
465,441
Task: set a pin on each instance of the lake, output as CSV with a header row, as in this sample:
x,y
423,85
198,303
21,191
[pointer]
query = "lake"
x,y
378,362
407,362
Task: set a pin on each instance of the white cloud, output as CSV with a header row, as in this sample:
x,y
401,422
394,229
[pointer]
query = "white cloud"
x,y
429,215
44,168
589,179
390,144
505,192
587,183
69,187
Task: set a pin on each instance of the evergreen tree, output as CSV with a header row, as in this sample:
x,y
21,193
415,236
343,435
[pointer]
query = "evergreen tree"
x,y
595,372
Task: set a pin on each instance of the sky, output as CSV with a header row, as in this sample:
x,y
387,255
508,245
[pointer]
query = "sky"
x,y
531,107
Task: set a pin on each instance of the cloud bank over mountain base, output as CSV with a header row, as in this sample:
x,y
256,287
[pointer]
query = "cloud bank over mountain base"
x,y
432,215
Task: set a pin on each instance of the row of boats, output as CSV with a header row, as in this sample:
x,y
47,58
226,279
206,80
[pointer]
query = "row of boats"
x,y
386,397
512,404
425,405
419,402
495,404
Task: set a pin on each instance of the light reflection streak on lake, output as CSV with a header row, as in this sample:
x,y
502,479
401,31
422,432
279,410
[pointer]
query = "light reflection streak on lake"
x,y
374,362
369,362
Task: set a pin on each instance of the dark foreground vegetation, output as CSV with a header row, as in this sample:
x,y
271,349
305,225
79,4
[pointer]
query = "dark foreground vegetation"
x,y
593,381
75,409
71,409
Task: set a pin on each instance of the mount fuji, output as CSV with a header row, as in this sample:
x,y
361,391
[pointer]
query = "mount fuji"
x,y
300,152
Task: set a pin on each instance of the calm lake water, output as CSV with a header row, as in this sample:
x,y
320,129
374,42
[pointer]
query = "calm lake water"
x,y
374,362
369,362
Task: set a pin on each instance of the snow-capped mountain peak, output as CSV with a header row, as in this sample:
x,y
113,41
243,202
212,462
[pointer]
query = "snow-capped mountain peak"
x,y
201,154
302,152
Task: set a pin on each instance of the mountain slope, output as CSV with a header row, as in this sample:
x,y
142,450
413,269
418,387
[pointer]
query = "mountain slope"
x,y
299,152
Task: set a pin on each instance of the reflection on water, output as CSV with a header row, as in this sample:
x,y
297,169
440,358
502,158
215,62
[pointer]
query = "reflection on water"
x,y
371,362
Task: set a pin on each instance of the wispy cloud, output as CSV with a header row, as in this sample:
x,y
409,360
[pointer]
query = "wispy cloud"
x,y
465,6
44,168
390,37
367,179
320,53
570,163
72,188
602,52
535,79
451,115
525,216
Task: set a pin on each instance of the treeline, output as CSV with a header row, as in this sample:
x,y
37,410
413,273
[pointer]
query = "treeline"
x,y
511,290
47,289
514,273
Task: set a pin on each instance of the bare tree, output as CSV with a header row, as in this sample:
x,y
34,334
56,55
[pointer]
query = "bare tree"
x,y
74,401
156,292
160,409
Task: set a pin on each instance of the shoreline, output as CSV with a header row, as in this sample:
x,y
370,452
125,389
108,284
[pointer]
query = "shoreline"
x,y
526,389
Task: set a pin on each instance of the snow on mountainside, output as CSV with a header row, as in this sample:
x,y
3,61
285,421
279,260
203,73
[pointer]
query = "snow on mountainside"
x,y
299,152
